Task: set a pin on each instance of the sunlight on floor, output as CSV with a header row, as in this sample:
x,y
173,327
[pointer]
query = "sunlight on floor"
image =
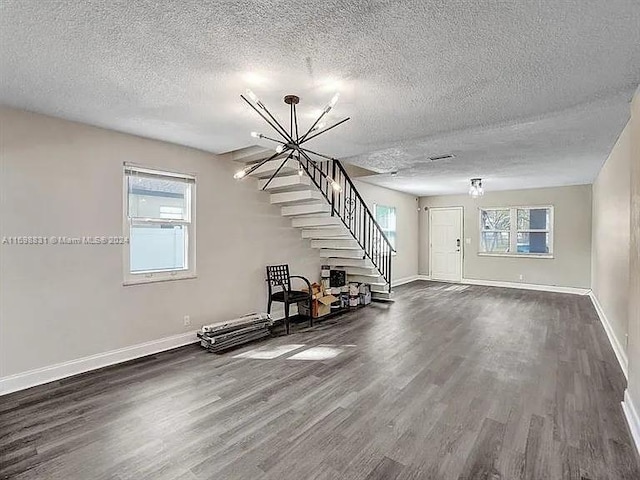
x,y
267,353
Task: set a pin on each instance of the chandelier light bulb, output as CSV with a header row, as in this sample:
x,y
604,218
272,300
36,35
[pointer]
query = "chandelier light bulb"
x,y
280,149
332,102
256,135
300,171
335,185
252,96
240,174
319,126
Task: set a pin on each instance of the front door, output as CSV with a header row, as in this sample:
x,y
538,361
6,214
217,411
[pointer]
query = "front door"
x,y
445,242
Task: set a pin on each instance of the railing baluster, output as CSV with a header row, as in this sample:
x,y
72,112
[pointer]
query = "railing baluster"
x,y
349,206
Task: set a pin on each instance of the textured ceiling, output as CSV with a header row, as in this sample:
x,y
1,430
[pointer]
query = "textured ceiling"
x,y
524,93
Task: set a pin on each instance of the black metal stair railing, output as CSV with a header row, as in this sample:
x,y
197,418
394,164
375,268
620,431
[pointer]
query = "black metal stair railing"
x,y
347,204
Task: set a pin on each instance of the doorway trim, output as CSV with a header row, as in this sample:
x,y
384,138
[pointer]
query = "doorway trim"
x,y
461,210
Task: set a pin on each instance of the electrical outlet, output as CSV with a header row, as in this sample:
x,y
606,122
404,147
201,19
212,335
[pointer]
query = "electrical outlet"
x,y
521,277
187,320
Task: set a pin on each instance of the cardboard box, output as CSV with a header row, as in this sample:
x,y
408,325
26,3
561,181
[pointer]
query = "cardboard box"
x,y
320,305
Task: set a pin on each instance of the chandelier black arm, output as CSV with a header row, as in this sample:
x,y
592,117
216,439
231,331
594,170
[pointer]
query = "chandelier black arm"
x,y
278,170
286,137
272,139
260,163
318,154
325,130
283,131
324,112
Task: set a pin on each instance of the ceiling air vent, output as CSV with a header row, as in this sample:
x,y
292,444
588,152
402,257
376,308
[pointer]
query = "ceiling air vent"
x,y
437,158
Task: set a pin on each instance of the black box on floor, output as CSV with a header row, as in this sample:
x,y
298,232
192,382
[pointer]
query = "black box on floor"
x,y
338,278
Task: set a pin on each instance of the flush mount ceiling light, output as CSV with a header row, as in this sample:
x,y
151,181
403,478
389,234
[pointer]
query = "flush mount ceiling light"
x,y
476,189
291,141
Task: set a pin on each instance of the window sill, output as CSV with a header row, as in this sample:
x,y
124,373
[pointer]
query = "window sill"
x,y
517,255
164,278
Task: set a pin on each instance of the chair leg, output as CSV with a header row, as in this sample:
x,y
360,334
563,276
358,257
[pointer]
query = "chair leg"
x,y
310,312
269,306
286,316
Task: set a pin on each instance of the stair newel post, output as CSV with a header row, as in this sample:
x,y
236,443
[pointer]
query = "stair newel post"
x,y
389,272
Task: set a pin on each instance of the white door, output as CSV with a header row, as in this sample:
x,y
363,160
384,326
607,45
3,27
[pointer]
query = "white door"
x,y
445,241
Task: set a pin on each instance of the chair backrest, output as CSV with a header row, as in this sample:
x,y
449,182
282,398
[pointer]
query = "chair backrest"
x,y
278,276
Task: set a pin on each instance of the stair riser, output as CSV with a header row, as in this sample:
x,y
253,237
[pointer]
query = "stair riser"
x,y
366,279
335,244
270,168
348,262
305,209
362,271
287,184
326,233
295,198
315,222
330,253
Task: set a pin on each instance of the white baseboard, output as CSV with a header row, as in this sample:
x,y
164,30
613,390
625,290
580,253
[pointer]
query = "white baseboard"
x,y
527,286
31,378
402,281
412,278
633,419
618,349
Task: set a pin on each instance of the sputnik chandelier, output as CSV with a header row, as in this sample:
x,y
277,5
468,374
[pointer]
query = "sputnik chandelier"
x,y
290,144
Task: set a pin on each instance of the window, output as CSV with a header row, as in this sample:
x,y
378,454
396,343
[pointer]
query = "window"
x,y
386,218
516,231
159,222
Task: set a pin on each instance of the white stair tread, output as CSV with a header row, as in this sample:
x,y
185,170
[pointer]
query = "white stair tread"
x,y
362,271
301,197
373,279
288,183
252,154
305,209
341,253
326,233
336,243
383,296
270,167
349,262
316,221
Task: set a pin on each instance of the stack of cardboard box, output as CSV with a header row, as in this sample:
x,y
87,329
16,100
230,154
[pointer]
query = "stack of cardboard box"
x,y
321,300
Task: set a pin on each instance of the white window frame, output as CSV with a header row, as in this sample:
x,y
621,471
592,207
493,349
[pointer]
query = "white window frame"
x,y
375,217
513,232
189,223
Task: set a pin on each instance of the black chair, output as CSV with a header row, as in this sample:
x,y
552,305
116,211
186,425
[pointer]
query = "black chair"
x,y
278,277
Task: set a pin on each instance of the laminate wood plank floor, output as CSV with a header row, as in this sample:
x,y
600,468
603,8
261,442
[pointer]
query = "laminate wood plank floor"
x,y
445,383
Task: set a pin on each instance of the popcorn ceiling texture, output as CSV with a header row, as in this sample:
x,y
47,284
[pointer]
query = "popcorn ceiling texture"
x,y
525,93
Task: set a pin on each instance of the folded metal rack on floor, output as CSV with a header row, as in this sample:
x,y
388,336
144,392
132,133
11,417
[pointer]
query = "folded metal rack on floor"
x,y
221,336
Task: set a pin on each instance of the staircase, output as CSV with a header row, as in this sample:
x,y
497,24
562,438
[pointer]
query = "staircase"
x,y
334,217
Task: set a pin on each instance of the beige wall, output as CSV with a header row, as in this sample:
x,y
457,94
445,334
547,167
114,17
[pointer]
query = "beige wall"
x,y
611,236
633,348
59,303
571,264
405,262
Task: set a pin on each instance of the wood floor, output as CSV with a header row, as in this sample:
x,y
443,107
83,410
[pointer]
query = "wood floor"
x,y
447,383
